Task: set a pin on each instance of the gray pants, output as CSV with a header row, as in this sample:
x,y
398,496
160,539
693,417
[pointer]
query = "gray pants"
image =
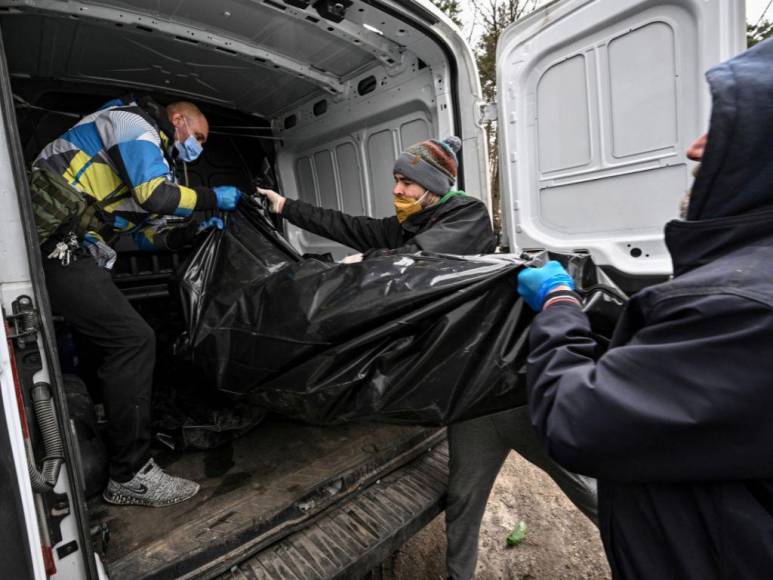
x,y
477,450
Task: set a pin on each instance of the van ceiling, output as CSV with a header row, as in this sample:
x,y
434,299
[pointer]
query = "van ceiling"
x,y
255,56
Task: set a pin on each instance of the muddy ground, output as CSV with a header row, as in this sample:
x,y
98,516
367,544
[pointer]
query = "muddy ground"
x,y
561,543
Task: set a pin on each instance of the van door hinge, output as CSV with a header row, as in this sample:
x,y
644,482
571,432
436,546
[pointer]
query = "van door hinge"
x,y
24,322
487,112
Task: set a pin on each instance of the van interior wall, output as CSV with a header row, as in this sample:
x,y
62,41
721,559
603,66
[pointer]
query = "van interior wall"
x,y
342,158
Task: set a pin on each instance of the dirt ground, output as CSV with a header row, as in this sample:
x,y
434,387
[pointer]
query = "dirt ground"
x,y
560,544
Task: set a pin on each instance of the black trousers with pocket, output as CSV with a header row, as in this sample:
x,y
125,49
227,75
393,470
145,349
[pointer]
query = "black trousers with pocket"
x,y
85,295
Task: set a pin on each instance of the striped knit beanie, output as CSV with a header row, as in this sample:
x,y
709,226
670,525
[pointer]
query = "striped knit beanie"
x,y
432,164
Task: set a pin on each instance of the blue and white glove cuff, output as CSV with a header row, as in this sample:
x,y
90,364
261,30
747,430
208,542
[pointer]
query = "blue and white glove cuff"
x,y
561,296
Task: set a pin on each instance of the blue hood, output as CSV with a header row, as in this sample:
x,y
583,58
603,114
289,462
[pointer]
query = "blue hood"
x,y
736,175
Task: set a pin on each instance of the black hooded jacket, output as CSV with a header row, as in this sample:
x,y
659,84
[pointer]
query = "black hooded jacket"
x,y
461,225
675,419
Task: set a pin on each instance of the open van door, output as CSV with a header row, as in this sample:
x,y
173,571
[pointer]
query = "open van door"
x,y
45,527
598,101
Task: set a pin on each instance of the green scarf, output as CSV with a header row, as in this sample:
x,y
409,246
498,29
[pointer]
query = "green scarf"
x,y
449,195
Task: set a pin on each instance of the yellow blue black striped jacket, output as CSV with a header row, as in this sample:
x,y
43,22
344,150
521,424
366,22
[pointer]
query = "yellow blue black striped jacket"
x,y
119,156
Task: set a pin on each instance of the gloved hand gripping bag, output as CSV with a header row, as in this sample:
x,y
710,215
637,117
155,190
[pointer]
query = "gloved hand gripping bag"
x,y
413,339
246,251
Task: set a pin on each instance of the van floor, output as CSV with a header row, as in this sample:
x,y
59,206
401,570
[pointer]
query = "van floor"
x,y
254,491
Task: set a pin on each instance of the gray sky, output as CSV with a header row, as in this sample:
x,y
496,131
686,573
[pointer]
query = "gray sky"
x,y
754,9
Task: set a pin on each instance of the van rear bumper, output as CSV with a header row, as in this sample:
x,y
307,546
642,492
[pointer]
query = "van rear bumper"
x,y
355,536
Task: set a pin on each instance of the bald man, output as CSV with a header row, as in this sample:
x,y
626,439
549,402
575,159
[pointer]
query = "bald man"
x,y
110,176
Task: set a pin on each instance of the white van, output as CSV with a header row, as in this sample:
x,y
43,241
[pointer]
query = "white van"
x,y
598,99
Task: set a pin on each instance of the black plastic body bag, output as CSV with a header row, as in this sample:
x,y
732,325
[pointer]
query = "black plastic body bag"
x,y
415,339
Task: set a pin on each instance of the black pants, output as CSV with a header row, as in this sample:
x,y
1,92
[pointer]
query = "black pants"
x,y
85,295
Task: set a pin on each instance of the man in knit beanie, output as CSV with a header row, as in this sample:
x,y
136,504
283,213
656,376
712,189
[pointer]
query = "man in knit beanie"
x,y
432,163
431,216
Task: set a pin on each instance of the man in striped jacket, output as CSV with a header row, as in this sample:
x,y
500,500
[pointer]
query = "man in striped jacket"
x,y
110,176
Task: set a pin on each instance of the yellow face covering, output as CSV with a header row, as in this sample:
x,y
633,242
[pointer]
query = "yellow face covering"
x,y
406,207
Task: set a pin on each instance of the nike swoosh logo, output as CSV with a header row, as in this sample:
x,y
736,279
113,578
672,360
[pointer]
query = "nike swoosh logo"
x,y
138,489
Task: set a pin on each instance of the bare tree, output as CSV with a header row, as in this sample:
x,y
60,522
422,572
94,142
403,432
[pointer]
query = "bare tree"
x,y
493,16
452,8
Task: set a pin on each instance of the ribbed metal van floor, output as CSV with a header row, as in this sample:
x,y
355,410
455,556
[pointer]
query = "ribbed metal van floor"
x,y
352,538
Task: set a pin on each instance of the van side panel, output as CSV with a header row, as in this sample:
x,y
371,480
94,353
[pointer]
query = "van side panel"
x,y
21,274
18,531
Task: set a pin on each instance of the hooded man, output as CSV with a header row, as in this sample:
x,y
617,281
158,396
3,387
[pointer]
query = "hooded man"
x,y
111,176
433,218
674,419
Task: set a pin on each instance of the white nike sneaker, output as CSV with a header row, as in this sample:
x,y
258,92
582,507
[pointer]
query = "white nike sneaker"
x,y
151,486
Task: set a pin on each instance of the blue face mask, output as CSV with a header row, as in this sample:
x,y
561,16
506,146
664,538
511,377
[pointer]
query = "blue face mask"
x,y
190,149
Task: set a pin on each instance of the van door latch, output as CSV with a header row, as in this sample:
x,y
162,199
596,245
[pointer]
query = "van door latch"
x,y
487,112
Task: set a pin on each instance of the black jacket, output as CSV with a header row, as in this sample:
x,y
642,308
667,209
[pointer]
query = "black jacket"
x,y
675,419
461,225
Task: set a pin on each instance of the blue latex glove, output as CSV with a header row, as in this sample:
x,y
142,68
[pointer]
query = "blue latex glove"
x,y
227,197
534,284
208,224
